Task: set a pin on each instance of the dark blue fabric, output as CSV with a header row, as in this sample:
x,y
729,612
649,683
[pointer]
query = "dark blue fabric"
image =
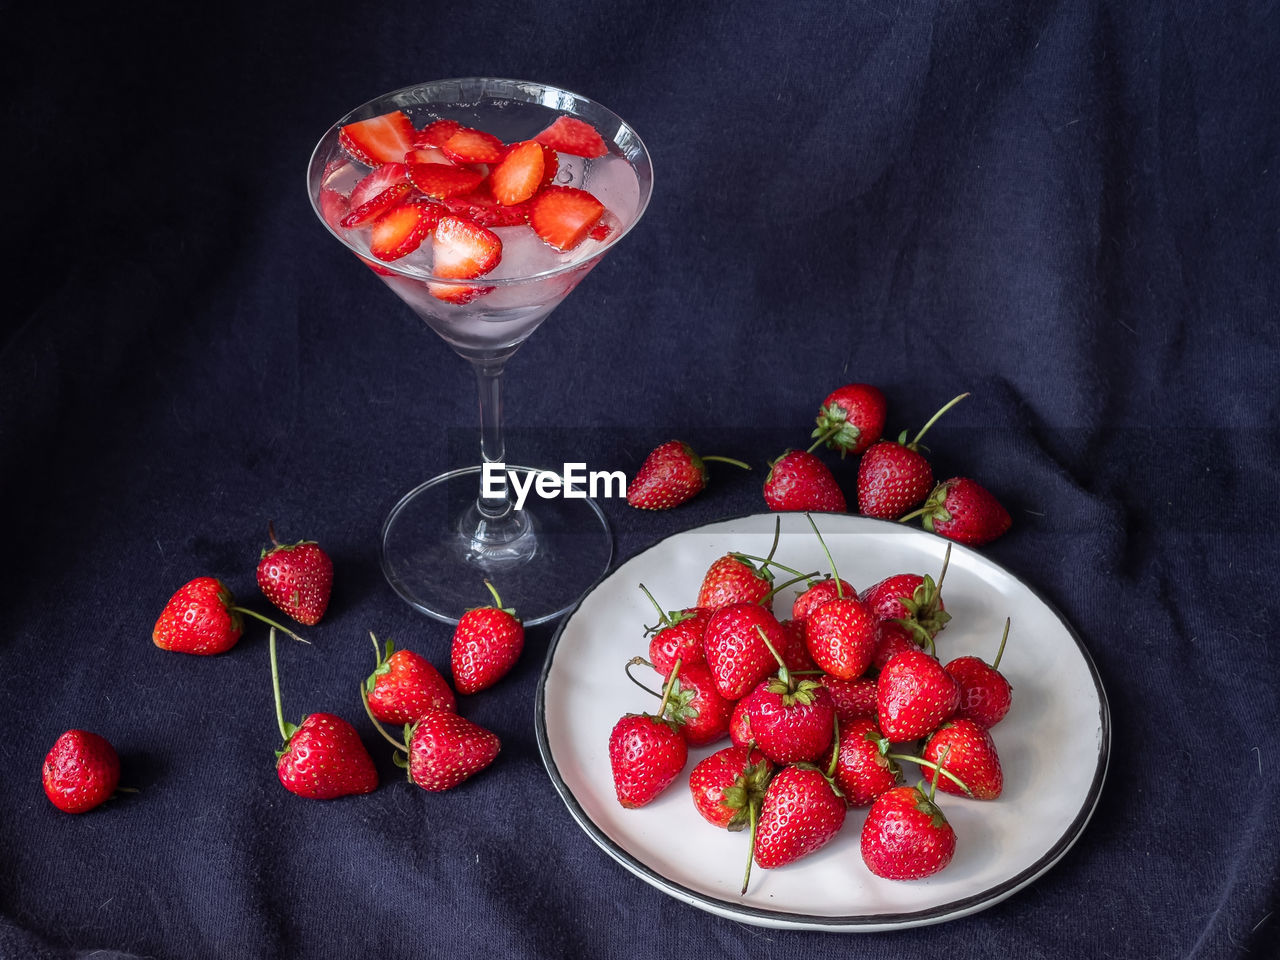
x,y
1067,208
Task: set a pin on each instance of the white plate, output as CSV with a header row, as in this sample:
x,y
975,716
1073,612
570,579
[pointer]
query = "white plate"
x,y
1053,745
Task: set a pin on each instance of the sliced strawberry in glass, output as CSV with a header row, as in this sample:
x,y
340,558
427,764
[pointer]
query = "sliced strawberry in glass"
x,y
377,180
401,230
383,139
486,211
441,180
371,210
436,133
571,135
462,249
563,216
458,293
333,206
426,155
519,175
473,146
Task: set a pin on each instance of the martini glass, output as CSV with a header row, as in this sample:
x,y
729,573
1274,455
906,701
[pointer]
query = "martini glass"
x,y
446,536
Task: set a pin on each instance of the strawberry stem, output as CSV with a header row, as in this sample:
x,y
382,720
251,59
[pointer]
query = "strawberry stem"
x,y
835,748
736,463
662,616
640,662
666,691
824,437
364,698
275,684
933,784
765,561
497,600
777,535
783,674
269,622
934,419
830,559
913,514
1000,652
271,532
753,814
790,583
933,766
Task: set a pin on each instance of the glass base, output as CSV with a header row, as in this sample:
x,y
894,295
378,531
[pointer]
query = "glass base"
x,y
438,549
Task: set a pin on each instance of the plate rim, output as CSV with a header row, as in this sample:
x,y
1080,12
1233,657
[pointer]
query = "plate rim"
x,y
782,919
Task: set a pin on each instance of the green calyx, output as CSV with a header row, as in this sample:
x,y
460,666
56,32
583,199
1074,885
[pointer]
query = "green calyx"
x,y
666,618
679,704
747,792
793,693
934,509
382,667
835,429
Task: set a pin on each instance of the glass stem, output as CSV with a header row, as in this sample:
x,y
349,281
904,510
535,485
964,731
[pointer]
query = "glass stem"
x,y
492,445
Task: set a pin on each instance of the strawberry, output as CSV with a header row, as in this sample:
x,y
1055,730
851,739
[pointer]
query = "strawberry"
x,y
81,771
740,725
851,418
735,579
446,749
456,293
676,636
602,229
427,155
440,180
371,210
894,477
796,656
961,509
480,207
971,756
905,836
646,754
463,250
201,618
467,145
486,644
377,181
435,134
670,475
401,230
404,685
914,695
818,594
324,758
737,645
519,175
800,815
563,216
852,698
891,639
573,136
841,637
696,706
798,480
863,767
727,783
792,720
913,601
296,577
384,139
985,695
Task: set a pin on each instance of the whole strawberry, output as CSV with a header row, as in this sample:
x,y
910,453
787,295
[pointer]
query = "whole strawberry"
x,y
202,618
863,767
671,475
985,694
841,635
912,600
963,510
798,480
800,815
819,593
676,636
905,836
646,755
726,784
80,771
851,418
486,644
446,749
735,579
893,476
792,719
914,695
323,757
971,756
297,578
404,685
694,703
737,642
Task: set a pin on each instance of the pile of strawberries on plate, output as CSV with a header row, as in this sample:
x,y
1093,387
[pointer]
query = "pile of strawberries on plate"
x,y
812,706
323,756
895,480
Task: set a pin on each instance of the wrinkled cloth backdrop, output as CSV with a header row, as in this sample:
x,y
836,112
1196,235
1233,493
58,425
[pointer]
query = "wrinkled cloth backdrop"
x,y
1069,209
